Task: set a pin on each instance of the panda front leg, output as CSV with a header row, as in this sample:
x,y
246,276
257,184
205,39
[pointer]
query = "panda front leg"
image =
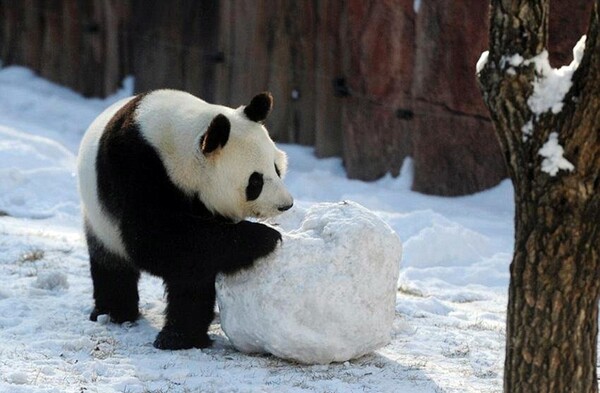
x,y
189,313
190,282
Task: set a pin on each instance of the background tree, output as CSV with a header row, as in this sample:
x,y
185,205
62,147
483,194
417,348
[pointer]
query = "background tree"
x,y
551,144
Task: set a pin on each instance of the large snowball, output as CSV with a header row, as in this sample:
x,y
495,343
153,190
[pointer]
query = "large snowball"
x,y
326,295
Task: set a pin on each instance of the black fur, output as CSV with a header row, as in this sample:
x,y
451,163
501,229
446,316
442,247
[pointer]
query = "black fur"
x,y
217,134
260,107
166,233
255,186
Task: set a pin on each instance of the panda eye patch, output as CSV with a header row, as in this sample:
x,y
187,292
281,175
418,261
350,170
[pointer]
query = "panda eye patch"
x,y
255,186
277,171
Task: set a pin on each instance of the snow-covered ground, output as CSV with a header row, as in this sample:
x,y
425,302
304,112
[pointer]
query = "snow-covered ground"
x,y
450,312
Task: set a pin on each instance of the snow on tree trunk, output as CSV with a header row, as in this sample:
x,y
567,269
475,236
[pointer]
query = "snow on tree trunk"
x,y
328,294
548,124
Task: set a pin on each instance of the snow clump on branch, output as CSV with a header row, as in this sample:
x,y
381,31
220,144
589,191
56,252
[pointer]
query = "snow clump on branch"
x,y
552,152
552,84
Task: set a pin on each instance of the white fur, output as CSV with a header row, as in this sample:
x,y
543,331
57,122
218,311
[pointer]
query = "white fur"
x,y
103,226
174,121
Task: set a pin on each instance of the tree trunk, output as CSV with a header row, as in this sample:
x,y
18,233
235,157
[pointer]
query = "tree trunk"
x,y
552,320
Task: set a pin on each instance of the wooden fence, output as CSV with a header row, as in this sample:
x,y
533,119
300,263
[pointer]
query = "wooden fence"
x,y
372,81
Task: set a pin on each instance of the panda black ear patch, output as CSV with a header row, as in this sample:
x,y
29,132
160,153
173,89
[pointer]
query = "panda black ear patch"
x,y
216,135
260,107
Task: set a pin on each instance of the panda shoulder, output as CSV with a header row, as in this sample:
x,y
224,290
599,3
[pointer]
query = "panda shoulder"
x,y
119,116
168,99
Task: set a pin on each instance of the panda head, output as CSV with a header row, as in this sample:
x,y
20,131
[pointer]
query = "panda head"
x,y
242,169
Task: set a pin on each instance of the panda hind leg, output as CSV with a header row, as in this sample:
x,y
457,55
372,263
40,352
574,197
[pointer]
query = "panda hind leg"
x,y
115,282
189,313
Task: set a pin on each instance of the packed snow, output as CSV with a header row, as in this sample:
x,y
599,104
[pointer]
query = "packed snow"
x,y
417,6
482,61
527,130
553,160
448,328
550,85
326,295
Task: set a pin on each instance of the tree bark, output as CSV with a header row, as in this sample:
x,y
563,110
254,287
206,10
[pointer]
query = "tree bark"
x,y
552,318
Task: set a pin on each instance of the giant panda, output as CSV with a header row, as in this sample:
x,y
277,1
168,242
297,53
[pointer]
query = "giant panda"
x,y
166,182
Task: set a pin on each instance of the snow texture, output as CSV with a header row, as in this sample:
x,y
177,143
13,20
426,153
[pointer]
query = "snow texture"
x,y
51,281
527,130
551,84
483,59
30,162
553,160
514,61
326,295
417,6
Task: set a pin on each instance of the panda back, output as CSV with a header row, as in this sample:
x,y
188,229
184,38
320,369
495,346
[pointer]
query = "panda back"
x,y
96,219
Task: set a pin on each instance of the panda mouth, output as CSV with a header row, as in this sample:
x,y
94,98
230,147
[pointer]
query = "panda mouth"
x,y
263,216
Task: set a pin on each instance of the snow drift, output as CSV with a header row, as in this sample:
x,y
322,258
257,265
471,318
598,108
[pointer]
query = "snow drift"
x,y
326,295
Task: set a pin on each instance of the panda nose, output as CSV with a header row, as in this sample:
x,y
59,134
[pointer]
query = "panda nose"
x,y
286,207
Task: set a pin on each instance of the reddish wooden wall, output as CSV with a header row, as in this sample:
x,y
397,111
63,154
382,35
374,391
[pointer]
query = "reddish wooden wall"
x,y
80,44
372,81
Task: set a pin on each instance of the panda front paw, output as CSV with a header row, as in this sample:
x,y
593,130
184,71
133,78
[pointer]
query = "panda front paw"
x,y
266,240
252,241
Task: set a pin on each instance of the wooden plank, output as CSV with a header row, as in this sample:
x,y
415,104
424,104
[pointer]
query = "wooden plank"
x,y
157,58
274,49
328,70
111,22
275,67
455,150
52,43
12,32
176,46
31,44
567,22
70,58
245,46
74,43
201,57
299,38
378,63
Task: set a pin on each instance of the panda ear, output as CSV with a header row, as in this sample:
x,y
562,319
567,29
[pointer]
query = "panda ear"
x,y
216,135
260,107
